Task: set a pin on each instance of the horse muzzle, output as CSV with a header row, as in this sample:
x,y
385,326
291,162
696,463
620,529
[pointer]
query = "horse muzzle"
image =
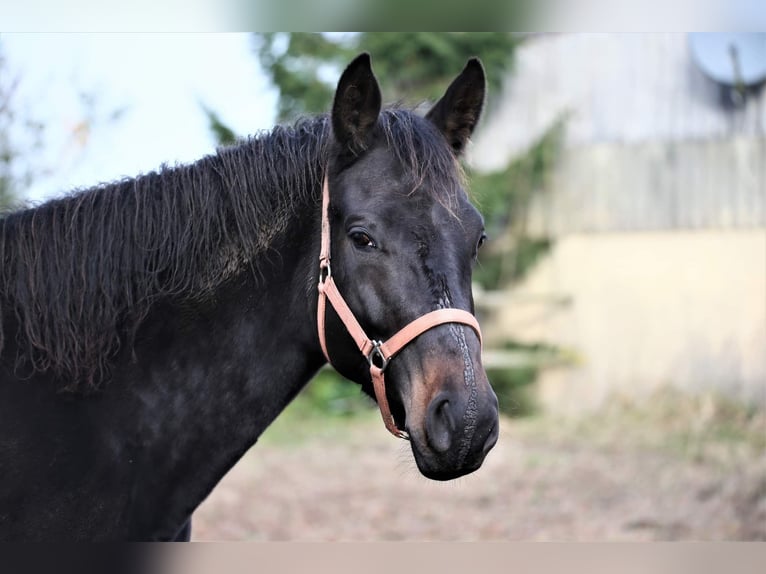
x,y
456,429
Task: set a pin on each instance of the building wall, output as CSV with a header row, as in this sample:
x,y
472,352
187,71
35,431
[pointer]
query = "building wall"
x,y
681,308
658,213
618,88
651,143
655,185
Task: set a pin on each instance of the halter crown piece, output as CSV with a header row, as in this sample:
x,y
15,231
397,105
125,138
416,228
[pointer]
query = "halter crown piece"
x,y
377,353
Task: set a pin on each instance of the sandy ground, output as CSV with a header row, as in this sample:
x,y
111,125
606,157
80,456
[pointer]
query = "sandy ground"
x,y
359,484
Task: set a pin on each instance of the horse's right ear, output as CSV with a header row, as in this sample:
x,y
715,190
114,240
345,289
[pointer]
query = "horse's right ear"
x,y
357,105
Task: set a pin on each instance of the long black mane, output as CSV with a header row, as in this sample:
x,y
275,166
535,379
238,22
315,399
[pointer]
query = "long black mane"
x,y
79,274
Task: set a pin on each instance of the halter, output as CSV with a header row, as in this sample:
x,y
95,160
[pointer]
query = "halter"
x,y
377,353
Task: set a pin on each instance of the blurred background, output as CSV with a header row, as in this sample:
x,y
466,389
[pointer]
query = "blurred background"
x,y
622,292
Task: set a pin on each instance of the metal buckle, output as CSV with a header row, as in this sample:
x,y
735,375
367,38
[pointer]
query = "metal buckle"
x,y
376,352
325,271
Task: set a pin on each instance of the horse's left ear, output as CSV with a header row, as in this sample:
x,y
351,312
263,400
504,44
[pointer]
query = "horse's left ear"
x,y
357,104
458,112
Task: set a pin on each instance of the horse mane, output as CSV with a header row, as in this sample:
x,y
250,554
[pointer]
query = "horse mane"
x,y
81,273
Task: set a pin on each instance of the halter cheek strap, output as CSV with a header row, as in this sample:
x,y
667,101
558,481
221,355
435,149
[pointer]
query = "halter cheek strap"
x,y
377,353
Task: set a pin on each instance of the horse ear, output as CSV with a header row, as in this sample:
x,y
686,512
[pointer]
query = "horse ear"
x,y
458,112
357,104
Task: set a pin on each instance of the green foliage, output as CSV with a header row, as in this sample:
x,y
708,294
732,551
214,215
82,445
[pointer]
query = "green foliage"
x,y
16,172
415,65
224,135
504,198
322,411
514,385
330,394
502,267
7,151
295,69
504,195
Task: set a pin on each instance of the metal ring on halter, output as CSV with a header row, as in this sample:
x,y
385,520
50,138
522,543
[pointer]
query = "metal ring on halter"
x,y
376,352
325,271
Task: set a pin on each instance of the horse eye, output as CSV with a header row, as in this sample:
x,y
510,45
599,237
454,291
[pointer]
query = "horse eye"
x,y
482,239
362,240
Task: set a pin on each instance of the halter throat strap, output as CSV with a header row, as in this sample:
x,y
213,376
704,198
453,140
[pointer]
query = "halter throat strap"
x,y
377,353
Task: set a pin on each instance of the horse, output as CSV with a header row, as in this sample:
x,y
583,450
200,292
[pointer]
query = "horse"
x,y
153,327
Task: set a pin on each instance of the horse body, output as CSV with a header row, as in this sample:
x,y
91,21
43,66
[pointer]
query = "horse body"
x,y
136,459
182,305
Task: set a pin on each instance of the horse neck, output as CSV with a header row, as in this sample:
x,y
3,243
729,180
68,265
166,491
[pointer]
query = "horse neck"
x,y
211,377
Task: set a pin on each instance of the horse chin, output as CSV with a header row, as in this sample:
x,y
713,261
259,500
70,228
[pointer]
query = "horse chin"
x,y
441,467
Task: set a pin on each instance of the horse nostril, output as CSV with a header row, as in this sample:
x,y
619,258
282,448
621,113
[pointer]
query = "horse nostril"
x,y
440,424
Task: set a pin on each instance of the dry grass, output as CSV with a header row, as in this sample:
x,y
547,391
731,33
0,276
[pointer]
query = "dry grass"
x,y
673,468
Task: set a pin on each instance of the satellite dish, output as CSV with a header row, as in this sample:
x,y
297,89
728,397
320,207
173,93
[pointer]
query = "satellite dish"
x,y
731,59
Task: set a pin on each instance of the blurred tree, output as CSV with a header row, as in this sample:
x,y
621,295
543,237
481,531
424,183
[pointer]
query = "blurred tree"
x,y
22,137
15,171
223,134
414,65
504,197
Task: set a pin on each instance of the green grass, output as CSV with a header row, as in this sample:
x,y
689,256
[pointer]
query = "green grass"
x,y
330,405
702,427
327,409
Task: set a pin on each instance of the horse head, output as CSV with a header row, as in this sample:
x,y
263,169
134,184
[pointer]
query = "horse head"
x,y
404,237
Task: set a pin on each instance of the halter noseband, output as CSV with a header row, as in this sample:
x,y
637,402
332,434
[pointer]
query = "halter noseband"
x,y
377,353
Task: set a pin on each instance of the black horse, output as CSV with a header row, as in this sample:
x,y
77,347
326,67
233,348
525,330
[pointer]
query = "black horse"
x,y
154,327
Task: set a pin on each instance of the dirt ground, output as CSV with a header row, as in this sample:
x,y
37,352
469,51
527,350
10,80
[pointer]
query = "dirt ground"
x,y
543,481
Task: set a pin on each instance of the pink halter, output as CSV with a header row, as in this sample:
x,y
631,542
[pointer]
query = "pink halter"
x,y
377,353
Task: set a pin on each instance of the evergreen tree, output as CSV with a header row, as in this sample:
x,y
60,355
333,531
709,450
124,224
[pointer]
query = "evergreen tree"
x,y
15,171
412,65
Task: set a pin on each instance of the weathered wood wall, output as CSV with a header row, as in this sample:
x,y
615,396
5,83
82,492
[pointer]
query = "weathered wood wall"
x,y
658,211
651,143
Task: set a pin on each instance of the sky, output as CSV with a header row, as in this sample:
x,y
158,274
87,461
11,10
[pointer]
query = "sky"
x,y
116,105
